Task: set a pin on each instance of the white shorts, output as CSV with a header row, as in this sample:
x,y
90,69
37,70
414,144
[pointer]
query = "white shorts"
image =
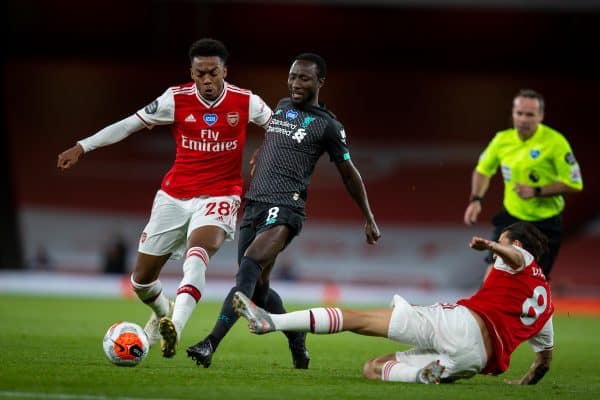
x,y
445,332
173,220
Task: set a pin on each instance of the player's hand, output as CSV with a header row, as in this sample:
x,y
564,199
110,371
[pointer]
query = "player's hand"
x,y
69,157
472,212
478,243
513,381
372,232
524,191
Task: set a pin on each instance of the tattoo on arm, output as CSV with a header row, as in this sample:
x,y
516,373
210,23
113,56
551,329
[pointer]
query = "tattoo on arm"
x,y
538,369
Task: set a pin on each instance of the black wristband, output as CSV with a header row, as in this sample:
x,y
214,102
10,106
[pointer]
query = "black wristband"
x,y
537,191
476,198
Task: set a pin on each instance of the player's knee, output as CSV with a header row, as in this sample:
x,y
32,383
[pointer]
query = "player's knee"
x,y
260,257
146,292
210,240
372,369
211,247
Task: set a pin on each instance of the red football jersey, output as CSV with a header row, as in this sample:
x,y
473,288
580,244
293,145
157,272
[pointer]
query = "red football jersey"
x,y
514,304
209,137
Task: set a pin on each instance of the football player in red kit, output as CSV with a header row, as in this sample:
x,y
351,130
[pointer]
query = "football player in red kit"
x,y
195,210
450,341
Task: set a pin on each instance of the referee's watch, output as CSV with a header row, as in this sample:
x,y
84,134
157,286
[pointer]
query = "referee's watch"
x,y
474,197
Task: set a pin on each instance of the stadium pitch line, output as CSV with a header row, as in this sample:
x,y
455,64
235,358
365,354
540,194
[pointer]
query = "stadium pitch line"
x,y
5,394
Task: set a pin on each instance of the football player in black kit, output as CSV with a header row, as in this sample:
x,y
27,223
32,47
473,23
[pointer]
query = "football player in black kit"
x,y
300,131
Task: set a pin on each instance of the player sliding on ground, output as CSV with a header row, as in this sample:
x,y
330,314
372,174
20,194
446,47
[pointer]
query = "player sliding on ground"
x,y
450,341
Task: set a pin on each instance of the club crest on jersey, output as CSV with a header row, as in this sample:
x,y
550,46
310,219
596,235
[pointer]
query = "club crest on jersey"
x,y
210,119
534,153
233,118
307,121
534,176
291,115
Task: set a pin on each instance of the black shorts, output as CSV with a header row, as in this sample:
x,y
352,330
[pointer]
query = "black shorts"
x,y
259,217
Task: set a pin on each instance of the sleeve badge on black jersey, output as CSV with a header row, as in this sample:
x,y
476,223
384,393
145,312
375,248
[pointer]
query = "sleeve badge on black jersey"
x,y
570,158
343,136
152,107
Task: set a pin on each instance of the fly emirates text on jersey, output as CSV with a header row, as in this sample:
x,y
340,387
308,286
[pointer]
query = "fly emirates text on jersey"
x,y
208,142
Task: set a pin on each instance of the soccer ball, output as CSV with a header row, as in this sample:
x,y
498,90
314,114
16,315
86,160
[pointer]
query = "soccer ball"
x,y
125,344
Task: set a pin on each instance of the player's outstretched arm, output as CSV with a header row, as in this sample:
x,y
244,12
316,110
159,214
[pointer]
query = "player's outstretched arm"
x,y
536,372
355,186
512,257
107,136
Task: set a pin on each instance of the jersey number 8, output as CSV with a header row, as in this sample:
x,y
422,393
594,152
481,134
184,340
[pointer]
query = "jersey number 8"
x,y
534,306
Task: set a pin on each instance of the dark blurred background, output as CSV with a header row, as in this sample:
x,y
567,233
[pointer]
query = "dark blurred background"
x,y
421,87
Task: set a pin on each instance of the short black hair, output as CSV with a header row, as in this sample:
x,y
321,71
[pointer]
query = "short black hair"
x,y
532,94
533,240
317,60
208,47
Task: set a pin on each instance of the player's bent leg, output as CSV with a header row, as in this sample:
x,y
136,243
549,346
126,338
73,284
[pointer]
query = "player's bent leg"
x,y
388,368
420,365
372,368
147,287
147,267
189,293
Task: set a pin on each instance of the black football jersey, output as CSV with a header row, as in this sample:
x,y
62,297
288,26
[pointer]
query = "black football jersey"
x,y
295,140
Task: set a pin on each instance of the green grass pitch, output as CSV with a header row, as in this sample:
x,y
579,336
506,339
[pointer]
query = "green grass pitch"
x,y
50,348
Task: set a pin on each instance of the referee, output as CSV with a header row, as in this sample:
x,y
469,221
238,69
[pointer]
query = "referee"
x,y
538,167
